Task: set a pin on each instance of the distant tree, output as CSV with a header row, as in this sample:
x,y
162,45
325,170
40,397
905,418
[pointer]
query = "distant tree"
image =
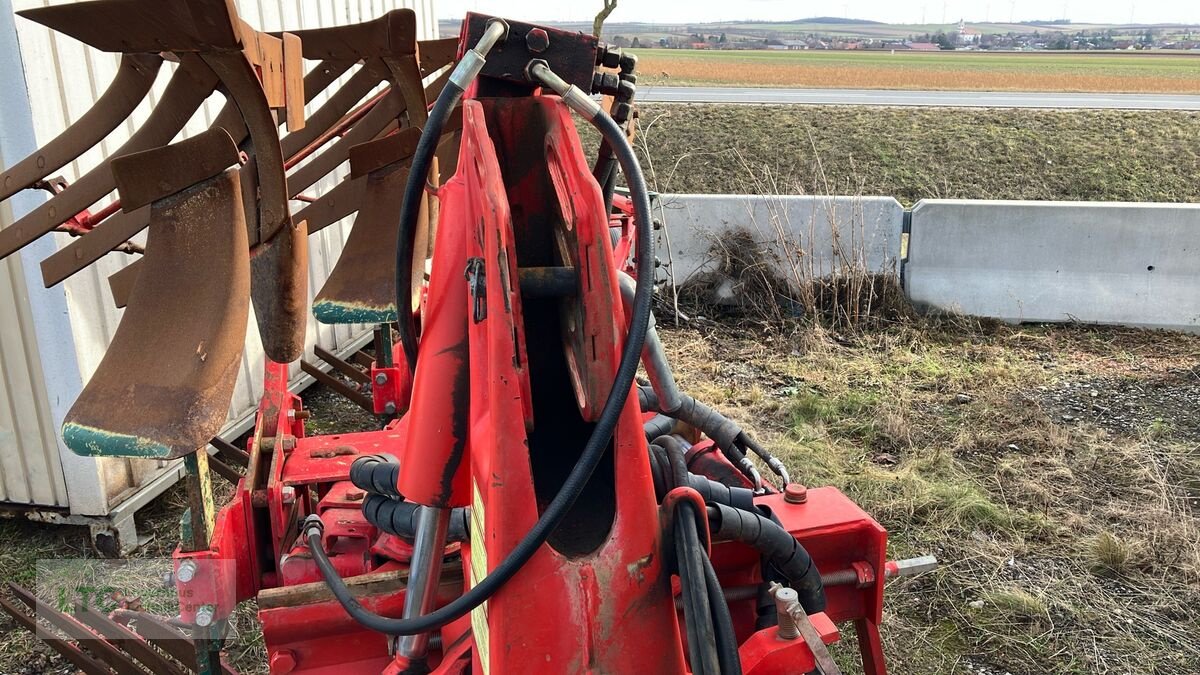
x,y
723,39
1061,43
620,41
635,44
602,15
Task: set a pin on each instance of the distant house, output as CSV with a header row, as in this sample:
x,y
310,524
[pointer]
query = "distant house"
x,y
967,36
924,46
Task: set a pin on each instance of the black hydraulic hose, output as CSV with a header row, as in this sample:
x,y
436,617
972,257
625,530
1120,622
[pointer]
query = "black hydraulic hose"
x,y
689,566
659,425
723,431
697,607
589,458
418,174
400,518
769,538
377,474
711,491
727,646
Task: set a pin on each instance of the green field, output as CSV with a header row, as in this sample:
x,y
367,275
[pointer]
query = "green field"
x,y
911,154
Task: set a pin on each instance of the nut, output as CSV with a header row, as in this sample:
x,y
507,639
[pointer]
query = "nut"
x,y
381,378
537,41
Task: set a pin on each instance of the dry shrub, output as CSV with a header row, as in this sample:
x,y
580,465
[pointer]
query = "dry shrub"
x,y
1111,554
819,270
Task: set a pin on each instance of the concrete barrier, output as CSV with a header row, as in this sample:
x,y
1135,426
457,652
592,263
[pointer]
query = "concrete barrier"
x,y
1092,262
796,237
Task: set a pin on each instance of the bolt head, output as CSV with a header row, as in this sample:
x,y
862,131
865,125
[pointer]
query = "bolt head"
x,y
283,661
288,494
795,493
381,378
204,616
537,41
390,408
186,572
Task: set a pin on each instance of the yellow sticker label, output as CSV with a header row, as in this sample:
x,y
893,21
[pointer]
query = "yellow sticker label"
x,y
479,569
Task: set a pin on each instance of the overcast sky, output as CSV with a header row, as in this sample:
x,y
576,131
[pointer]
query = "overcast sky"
x,y
890,11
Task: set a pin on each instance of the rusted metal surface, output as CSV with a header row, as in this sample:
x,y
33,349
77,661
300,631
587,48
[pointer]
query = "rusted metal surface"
x,y
110,233
149,26
374,122
122,282
151,175
85,662
190,84
230,453
436,54
179,344
99,644
361,288
240,80
293,60
76,630
324,126
340,202
279,291
324,118
357,397
133,80
128,641
387,152
344,367
394,33
165,636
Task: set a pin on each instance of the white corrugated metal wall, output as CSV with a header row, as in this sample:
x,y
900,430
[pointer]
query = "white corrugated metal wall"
x,y
64,77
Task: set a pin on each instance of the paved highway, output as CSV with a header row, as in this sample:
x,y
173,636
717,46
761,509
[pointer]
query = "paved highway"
x,y
968,99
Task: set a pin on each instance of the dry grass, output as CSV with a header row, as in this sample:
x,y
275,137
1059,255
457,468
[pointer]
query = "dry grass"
x,y
944,71
1065,547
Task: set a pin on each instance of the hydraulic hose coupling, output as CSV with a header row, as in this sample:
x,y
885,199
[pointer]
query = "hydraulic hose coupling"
x,y
579,101
313,526
472,62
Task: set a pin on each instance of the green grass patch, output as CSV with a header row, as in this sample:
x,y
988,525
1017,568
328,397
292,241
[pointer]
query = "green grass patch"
x,y
913,154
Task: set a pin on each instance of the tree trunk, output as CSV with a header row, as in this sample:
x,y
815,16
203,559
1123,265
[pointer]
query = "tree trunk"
x,y
598,24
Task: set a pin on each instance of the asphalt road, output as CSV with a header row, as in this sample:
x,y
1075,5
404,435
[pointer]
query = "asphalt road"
x,y
968,99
